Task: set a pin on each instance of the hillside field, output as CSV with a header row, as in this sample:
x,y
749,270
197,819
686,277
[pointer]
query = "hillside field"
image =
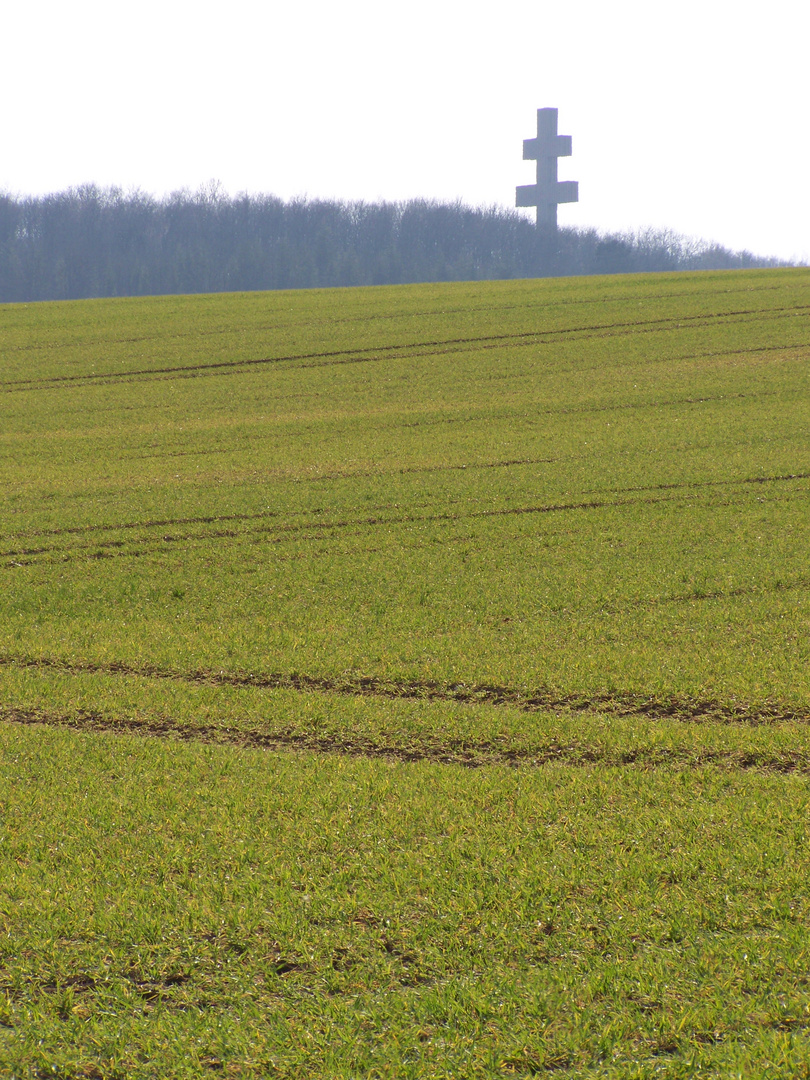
x,y
408,681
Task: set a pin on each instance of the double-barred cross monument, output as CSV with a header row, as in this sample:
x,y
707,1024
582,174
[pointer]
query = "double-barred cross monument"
x,y
548,191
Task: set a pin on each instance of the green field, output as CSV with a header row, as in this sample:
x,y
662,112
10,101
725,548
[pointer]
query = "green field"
x,y
408,681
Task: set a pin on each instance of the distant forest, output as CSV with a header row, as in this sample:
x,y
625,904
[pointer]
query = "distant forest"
x,y
90,241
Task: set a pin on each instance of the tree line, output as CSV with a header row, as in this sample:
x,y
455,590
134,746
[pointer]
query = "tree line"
x,y
90,242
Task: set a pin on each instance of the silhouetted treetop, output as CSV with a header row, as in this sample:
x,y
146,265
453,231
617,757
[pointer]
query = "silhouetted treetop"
x,y
90,241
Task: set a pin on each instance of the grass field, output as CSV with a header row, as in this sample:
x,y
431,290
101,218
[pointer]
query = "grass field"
x,y
408,681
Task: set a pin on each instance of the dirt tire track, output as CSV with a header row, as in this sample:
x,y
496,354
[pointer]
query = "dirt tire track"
x,y
17,558
625,704
376,316
423,348
705,483
459,753
303,530
265,515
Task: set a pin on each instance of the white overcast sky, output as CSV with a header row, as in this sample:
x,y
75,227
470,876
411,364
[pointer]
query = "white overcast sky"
x,y
689,116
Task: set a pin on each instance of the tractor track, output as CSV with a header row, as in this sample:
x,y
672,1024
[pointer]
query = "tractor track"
x,y
81,548
309,528
465,754
675,294
267,515
35,556
414,349
624,704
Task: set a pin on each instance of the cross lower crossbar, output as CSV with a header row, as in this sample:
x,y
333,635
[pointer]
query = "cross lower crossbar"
x,y
533,194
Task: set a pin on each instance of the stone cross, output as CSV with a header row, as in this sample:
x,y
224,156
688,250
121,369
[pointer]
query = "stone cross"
x,y
548,191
